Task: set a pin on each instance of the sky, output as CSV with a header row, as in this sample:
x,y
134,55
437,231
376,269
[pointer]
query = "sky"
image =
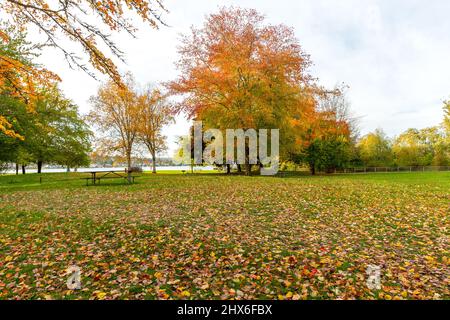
x,y
393,55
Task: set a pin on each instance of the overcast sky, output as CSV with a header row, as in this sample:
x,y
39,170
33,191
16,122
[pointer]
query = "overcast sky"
x,y
393,54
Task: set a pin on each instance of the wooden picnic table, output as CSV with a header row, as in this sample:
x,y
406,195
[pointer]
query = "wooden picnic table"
x,y
98,175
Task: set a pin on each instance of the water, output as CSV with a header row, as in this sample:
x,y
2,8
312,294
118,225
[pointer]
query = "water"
x,y
164,168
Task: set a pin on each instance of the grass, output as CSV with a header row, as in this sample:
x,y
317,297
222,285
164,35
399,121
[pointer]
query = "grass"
x,y
210,236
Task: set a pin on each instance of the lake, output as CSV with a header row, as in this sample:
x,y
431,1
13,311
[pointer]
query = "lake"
x,y
162,168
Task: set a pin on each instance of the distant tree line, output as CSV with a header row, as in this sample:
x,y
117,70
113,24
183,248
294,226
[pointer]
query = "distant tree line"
x,y
414,147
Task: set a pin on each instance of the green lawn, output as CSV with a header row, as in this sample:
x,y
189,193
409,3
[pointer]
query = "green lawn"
x,y
211,236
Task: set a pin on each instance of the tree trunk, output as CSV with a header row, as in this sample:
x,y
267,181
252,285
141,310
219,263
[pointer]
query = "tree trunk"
x,y
129,166
68,169
23,169
248,166
228,168
239,168
39,165
153,162
17,169
312,168
248,169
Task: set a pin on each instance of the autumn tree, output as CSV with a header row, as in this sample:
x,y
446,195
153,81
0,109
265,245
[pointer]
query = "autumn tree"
x,y
446,123
116,113
16,114
155,113
375,149
20,78
436,144
238,72
326,132
411,149
86,23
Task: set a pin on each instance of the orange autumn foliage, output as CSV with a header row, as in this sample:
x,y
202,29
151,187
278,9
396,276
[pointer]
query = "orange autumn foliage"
x,y
235,71
73,20
21,80
238,72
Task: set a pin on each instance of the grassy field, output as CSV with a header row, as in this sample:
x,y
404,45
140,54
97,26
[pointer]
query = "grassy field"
x,y
212,236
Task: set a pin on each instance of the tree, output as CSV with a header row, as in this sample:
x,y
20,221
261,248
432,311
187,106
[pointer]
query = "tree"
x,y
85,22
117,114
443,151
437,147
335,105
19,77
155,114
53,133
332,132
446,123
327,154
57,134
71,136
410,149
237,72
375,149
15,113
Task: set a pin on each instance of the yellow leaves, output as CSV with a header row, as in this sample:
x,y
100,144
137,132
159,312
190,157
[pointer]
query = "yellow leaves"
x,y
416,292
21,79
8,258
430,259
99,294
158,275
5,128
185,293
325,260
4,37
290,296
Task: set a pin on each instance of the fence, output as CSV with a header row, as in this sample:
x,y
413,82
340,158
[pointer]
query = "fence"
x,y
393,169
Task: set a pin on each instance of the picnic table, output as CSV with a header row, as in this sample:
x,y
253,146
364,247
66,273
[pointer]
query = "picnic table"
x,y
97,176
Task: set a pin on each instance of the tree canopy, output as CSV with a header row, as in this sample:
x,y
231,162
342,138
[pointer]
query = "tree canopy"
x,y
86,23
